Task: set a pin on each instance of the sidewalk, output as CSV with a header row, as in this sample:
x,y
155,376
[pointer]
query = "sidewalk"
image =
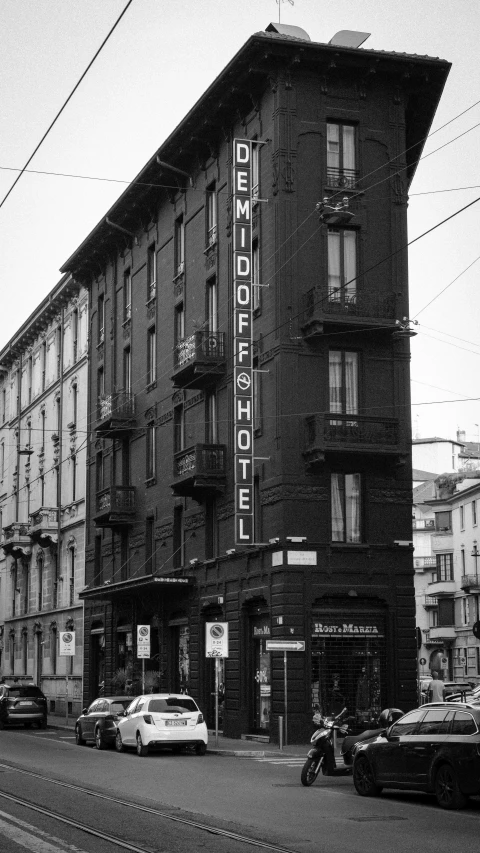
x,y
226,746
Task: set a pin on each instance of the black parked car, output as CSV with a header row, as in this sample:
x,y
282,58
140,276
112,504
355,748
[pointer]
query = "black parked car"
x,y
98,721
22,703
435,748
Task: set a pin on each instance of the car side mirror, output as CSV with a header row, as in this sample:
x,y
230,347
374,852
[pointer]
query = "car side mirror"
x,y
392,738
121,713
85,711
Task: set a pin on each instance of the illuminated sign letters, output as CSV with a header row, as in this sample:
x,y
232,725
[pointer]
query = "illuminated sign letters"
x,y
242,344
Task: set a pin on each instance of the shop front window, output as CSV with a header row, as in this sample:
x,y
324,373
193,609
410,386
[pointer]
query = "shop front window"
x,y
262,675
348,666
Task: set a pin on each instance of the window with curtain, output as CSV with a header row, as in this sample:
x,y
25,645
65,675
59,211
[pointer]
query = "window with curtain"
x,y
151,451
346,507
342,266
343,381
211,208
341,154
127,294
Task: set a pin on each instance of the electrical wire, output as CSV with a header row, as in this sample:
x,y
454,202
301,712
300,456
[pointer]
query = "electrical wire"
x,y
129,3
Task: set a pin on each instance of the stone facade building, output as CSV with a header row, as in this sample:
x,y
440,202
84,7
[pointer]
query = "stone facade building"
x,y
43,429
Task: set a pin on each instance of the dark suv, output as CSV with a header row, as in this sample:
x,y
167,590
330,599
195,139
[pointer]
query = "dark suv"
x,y
435,748
22,703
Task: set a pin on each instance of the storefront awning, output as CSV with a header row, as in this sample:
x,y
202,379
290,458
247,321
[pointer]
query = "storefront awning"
x,y
147,583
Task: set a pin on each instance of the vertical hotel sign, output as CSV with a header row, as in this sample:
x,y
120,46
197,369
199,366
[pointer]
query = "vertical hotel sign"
x,y
242,316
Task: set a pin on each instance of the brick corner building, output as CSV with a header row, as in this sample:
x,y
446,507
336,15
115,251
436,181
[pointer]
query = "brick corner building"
x,y
249,390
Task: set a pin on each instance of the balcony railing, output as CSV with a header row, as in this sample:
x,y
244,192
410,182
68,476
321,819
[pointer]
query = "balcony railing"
x,y
423,524
430,601
44,525
200,468
199,359
424,562
470,582
115,506
345,178
115,412
340,307
349,434
16,539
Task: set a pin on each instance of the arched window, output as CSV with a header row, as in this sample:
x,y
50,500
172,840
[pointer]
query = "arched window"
x,y
71,575
25,651
40,581
12,652
53,647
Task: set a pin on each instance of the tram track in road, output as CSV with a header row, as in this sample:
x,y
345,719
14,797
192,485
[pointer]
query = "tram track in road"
x,y
125,845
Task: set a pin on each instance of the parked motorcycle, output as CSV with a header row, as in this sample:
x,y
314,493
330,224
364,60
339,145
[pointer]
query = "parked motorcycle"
x,y
322,755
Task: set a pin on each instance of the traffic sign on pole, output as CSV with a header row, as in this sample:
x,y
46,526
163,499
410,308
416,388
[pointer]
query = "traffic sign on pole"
x,y
285,645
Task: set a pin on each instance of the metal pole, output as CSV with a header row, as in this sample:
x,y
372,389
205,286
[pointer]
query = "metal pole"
x,y
285,694
66,695
143,675
280,733
217,664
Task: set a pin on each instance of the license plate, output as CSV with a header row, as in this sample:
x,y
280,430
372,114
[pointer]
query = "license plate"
x,y
175,722
25,703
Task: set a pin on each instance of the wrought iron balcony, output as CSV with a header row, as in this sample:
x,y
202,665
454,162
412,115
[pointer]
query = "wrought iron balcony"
x,y
345,178
16,539
339,308
115,506
470,583
424,563
430,601
44,526
115,414
200,470
337,433
199,360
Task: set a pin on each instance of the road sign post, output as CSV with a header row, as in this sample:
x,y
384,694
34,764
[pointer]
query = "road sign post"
x,y
143,648
67,649
285,646
216,646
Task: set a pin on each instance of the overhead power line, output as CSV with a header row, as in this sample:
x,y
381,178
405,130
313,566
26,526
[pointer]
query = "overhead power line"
x,y
65,103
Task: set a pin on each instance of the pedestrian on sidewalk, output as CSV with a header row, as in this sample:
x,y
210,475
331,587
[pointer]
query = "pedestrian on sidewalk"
x,y
436,688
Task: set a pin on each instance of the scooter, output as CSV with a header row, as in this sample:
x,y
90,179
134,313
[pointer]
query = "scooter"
x,y
322,755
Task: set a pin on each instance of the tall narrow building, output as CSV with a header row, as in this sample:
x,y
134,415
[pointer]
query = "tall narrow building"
x,y
250,455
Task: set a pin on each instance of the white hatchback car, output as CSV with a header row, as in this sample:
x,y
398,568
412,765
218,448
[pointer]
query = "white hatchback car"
x,y
162,720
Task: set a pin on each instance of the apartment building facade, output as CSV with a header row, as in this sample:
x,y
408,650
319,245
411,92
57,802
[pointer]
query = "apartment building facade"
x,y
450,582
43,428
249,460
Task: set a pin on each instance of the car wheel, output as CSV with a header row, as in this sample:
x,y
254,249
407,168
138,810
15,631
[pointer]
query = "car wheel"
x,y
118,742
79,740
42,724
142,749
200,748
28,725
99,741
363,778
447,791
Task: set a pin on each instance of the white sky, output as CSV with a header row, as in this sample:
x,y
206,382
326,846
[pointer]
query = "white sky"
x,y
159,61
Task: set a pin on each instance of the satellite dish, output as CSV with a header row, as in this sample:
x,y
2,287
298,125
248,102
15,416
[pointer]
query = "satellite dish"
x,y
349,38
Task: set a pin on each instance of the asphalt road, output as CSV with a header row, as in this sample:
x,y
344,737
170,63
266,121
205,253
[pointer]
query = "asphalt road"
x,y
191,803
